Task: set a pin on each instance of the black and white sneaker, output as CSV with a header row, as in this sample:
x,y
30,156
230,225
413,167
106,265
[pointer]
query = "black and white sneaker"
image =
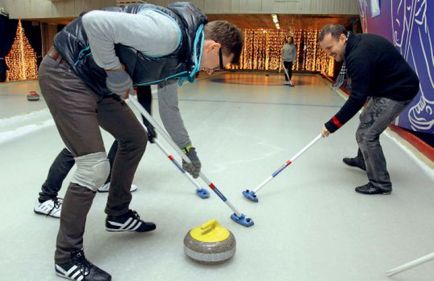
x,y
129,222
50,207
80,269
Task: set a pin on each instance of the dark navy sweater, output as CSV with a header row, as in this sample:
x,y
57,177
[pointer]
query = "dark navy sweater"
x,y
376,69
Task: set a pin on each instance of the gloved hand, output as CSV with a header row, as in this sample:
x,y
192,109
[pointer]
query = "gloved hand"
x,y
119,82
192,168
151,130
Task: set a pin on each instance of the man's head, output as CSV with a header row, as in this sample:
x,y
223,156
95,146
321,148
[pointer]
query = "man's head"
x,y
223,45
333,39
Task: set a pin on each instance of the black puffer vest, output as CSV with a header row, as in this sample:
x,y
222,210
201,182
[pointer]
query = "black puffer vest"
x,y
72,44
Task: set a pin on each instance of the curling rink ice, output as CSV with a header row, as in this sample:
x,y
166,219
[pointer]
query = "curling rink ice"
x,y
310,225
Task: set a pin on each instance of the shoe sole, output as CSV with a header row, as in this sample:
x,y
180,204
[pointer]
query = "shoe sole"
x,y
126,230
105,191
118,230
354,166
44,214
382,193
63,276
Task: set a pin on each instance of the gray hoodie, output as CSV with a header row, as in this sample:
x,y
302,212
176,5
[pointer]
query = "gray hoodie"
x,y
289,52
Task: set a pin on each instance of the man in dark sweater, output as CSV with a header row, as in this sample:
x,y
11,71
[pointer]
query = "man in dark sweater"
x,y
377,70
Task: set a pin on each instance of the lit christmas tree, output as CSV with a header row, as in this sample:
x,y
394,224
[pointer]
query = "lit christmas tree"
x,y
21,58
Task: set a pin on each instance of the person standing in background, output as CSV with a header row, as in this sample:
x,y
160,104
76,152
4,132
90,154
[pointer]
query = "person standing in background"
x,y
289,54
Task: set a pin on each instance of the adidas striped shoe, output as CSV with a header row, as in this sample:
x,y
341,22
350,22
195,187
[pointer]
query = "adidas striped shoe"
x,y
50,207
129,222
80,269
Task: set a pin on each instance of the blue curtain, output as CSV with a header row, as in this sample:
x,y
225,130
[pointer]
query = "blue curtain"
x,y
8,28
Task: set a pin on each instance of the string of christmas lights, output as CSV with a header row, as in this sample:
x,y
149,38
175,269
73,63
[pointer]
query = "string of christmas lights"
x,y
263,51
21,59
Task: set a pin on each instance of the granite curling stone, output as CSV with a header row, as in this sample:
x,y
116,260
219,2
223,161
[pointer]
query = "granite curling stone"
x,y
33,96
209,243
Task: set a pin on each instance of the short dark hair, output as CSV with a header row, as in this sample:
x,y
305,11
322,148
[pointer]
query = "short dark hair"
x,y
334,29
228,35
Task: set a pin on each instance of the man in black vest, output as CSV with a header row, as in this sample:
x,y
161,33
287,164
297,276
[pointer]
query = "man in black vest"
x,y
95,62
377,70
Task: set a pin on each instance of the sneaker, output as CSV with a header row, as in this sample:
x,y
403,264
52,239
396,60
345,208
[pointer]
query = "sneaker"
x,y
355,162
370,189
129,222
50,207
106,187
80,269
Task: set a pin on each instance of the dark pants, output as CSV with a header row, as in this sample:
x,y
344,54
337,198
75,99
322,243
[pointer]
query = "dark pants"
x,y
288,67
78,114
65,160
375,118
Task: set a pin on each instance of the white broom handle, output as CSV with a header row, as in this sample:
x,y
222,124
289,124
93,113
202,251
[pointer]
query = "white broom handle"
x,y
411,264
166,152
306,148
161,131
169,140
317,138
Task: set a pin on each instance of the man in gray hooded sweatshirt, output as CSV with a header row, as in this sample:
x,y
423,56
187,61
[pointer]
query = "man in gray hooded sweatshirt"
x,y
95,62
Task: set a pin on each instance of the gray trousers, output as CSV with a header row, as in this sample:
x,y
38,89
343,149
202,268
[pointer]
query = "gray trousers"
x,y
375,118
78,114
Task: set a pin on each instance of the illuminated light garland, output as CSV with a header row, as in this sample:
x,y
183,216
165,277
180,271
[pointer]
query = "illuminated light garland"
x,y
21,59
263,51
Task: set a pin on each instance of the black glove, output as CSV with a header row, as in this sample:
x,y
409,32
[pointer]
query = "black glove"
x,y
151,130
192,168
151,134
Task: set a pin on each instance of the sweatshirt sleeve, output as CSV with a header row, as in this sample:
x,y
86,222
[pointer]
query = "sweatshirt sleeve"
x,y
294,53
170,115
359,71
149,32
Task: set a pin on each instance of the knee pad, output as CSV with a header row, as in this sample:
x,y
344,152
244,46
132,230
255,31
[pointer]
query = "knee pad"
x,y
92,170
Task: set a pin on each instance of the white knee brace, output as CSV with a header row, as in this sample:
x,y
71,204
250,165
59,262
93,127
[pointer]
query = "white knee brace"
x,y
92,170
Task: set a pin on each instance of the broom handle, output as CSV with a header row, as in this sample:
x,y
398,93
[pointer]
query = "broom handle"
x,y
169,140
287,163
171,158
411,264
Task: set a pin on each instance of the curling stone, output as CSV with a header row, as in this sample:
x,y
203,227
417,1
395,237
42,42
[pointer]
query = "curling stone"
x,y
209,243
33,96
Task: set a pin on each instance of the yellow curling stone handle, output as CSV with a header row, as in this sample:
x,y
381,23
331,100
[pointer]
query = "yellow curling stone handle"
x,y
211,231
